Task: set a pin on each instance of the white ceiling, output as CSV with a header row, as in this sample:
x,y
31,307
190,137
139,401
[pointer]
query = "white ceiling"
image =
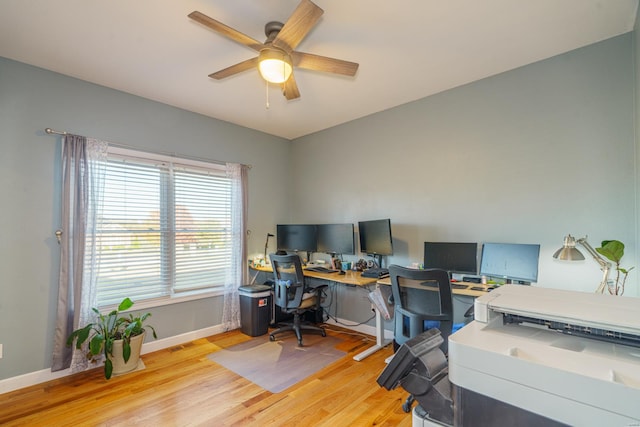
x,y
407,49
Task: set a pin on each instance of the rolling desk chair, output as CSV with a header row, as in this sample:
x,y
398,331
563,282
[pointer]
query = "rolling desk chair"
x,y
411,317
292,295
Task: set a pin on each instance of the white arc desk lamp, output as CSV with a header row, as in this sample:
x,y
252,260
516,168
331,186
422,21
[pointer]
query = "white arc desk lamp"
x,y
569,252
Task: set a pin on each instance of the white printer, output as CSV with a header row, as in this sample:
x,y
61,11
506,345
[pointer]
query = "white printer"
x,y
538,356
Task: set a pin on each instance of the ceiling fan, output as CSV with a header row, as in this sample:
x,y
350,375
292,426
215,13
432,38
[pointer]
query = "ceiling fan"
x,y
278,49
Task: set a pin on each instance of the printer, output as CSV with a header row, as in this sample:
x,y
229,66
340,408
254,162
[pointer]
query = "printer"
x,y
540,356
532,357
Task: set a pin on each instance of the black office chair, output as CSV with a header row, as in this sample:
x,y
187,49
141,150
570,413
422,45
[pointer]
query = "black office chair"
x,y
414,310
293,296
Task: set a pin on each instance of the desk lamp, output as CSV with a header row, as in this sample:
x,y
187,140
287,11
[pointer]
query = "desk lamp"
x,y
569,252
266,245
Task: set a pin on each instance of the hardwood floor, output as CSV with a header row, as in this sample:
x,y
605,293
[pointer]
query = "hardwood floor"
x,y
180,386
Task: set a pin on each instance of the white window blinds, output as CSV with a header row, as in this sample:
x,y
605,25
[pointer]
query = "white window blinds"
x,y
164,229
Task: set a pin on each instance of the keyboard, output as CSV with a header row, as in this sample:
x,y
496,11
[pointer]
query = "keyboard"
x,y
482,288
377,273
454,285
320,269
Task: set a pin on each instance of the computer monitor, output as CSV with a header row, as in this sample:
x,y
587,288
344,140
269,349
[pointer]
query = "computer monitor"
x,y
453,257
375,237
297,237
336,238
516,262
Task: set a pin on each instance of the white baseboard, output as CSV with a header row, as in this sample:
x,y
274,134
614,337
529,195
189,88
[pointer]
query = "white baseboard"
x,y
33,378
155,345
365,329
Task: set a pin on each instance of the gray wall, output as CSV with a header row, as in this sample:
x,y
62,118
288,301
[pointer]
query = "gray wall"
x,y
526,156
32,99
636,118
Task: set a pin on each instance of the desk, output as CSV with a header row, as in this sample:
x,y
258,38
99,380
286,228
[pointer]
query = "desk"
x,y
470,289
352,278
464,289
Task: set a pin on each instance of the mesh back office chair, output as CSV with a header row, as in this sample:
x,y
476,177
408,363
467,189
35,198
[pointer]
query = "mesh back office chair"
x,y
292,295
415,311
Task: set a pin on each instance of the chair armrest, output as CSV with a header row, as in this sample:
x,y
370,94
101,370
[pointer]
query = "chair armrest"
x,y
288,294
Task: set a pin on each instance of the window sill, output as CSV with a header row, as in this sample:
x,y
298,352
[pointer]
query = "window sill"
x,y
164,301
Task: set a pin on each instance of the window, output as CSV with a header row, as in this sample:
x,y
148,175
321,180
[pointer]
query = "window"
x,y
164,228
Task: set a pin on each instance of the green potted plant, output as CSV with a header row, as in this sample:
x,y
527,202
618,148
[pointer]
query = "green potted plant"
x,y
614,251
115,336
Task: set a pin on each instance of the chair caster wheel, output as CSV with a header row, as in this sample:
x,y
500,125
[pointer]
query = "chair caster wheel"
x,y
272,338
406,406
324,334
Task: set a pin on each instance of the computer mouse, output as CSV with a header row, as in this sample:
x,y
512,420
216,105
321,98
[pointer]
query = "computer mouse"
x,y
343,272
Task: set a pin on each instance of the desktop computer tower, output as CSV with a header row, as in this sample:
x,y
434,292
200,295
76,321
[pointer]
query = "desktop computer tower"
x,y
277,316
314,316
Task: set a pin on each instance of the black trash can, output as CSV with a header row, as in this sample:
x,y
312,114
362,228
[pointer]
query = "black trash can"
x,y
255,309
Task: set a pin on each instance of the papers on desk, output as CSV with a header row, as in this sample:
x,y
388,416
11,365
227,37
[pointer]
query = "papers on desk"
x,y
321,269
380,298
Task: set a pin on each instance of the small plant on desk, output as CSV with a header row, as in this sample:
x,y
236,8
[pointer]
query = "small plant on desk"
x,y
614,251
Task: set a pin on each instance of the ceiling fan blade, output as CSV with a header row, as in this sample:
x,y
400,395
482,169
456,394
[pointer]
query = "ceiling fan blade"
x,y
226,31
235,69
310,61
290,89
297,26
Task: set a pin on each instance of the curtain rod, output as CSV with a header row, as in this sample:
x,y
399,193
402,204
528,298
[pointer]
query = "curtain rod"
x,y
55,132
202,159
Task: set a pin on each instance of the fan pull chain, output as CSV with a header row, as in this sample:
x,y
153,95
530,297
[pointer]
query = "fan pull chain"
x,y
267,94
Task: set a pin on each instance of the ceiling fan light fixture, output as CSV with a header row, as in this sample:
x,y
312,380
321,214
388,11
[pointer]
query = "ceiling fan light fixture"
x,y
275,65
277,52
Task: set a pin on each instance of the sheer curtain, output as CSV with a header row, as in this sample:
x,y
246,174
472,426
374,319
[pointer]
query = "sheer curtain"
x,y
83,170
237,273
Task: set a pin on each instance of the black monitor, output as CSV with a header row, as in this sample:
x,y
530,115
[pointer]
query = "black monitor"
x,y
375,237
336,238
516,262
297,237
453,257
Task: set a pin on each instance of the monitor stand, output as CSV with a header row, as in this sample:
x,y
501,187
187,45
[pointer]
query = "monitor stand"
x,y
304,260
378,259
